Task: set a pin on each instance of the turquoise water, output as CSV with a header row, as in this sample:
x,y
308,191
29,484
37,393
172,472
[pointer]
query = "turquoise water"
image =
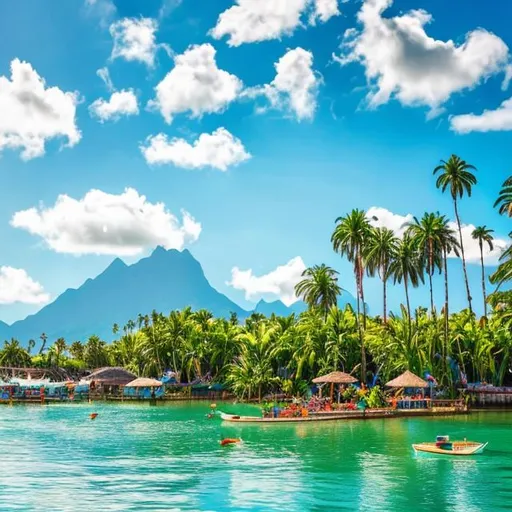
x,y
136,457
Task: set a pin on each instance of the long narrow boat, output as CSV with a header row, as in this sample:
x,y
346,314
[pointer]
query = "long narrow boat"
x,y
444,446
331,416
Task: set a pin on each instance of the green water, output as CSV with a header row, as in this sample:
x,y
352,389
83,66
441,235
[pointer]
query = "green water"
x,y
136,457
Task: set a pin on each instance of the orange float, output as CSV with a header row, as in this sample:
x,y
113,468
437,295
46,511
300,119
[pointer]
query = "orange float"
x,y
230,440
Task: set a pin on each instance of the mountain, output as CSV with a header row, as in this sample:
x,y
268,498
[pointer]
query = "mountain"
x,y
4,330
280,309
164,281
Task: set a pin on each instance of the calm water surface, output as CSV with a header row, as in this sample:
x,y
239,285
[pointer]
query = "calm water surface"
x,y
136,457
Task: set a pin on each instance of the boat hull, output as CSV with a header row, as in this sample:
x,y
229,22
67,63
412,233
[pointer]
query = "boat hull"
x,y
460,448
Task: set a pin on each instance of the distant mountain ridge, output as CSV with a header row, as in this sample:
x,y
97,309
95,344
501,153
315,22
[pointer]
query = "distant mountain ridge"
x,y
164,281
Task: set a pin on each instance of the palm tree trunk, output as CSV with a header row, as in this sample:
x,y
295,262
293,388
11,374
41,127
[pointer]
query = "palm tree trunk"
x,y
463,255
430,272
385,300
361,340
408,306
446,312
483,276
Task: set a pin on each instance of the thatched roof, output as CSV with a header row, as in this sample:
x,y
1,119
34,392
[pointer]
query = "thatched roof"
x,y
335,378
407,380
143,382
111,376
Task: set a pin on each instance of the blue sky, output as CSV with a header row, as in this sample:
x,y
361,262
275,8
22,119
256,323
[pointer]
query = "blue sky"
x,y
364,102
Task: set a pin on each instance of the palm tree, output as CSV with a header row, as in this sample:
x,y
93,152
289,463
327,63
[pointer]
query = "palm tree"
x,y
31,345
483,235
425,234
379,253
349,239
115,329
319,288
407,268
504,200
43,338
77,350
455,174
504,271
449,244
13,354
60,347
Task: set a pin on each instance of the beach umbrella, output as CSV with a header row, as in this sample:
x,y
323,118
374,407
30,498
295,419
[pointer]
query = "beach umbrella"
x,y
407,380
335,378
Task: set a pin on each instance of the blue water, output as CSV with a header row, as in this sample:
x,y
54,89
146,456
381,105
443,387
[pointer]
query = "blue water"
x,y
135,457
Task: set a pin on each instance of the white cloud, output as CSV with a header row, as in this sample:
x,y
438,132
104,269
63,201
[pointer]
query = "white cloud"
x,y
279,283
490,120
382,218
135,40
250,21
219,150
195,84
403,61
121,103
104,10
398,223
101,223
295,86
104,74
325,10
17,286
31,114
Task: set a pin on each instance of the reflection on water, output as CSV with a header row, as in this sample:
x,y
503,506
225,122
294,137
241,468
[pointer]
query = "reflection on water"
x,y
135,457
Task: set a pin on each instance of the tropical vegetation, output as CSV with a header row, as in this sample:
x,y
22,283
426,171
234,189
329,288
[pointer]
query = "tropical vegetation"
x,y
258,354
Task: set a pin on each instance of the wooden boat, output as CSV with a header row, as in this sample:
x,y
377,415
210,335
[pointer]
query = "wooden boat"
x,y
324,416
444,446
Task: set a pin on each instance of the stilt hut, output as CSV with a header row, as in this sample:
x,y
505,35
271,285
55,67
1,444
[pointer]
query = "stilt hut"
x,y
108,380
409,380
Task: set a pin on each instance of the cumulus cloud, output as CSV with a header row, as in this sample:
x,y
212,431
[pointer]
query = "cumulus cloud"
x,y
135,40
489,120
401,60
101,223
219,150
295,86
121,103
279,283
31,113
250,21
195,85
381,217
17,286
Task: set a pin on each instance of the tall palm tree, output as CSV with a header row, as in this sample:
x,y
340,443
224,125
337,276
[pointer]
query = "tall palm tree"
x,y
319,288
349,239
407,268
483,235
455,175
449,244
504,200
31,345
379,253
426,234
43,338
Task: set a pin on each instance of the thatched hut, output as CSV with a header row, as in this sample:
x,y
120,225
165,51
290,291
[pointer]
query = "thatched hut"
x,y
407,380
335,378
143,382
108,380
